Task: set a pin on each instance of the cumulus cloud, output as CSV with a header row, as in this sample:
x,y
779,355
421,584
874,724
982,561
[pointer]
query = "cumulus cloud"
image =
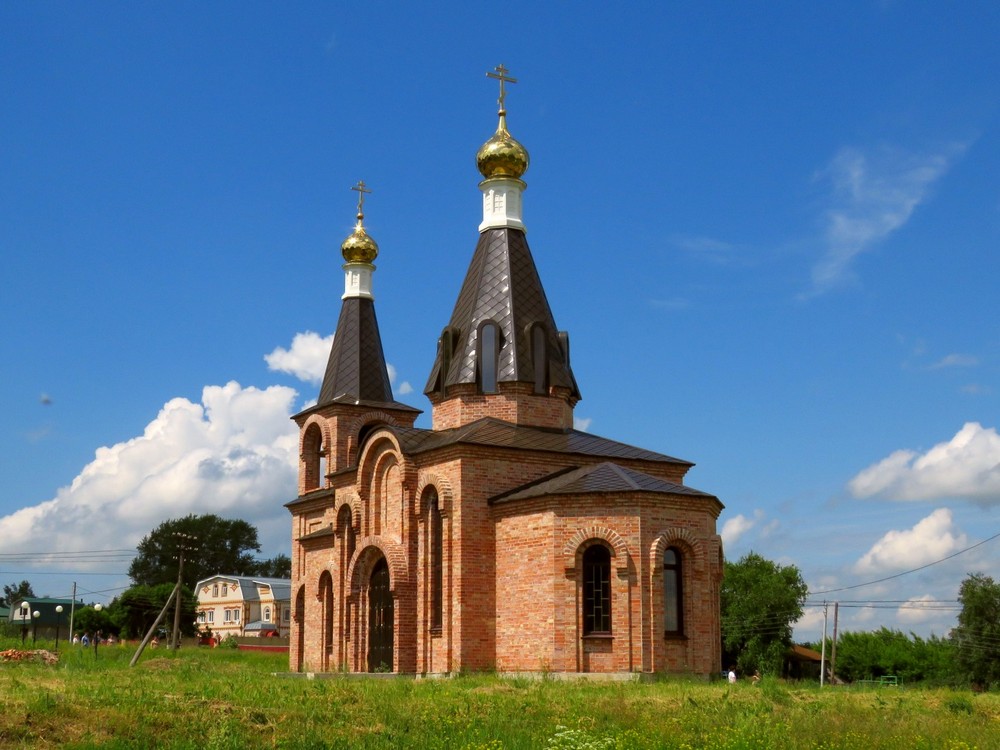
x,y
305,359
931,539
874,194
967,467
233,454
736,527
582,423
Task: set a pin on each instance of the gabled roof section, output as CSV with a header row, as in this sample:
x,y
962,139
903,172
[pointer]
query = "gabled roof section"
x,y
606,477
501,285
500,434
356,370
247,585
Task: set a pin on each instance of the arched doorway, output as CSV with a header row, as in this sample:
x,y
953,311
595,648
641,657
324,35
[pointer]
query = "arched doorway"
x,y
380,619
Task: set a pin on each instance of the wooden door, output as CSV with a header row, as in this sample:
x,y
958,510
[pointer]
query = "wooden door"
x,y
380,620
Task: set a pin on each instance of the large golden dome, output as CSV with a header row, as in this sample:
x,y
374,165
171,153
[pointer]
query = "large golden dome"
x,y
502,155
359,247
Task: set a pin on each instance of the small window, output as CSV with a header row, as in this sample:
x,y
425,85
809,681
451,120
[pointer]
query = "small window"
x,y
236,615
597,590
225,589
228,615
673,609
267,614
489,357
201,617
436,561
286,615
215,590
211,615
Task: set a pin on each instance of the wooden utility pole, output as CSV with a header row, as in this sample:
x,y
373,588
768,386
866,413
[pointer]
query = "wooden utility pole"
x,y
822,657
185,542
833,648
152,630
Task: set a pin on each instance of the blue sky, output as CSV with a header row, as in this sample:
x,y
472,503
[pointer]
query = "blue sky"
x,y
771,230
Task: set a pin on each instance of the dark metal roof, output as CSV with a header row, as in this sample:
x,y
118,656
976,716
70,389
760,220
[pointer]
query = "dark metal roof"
x,y
356,369
318,534
502,285
597,478
499,434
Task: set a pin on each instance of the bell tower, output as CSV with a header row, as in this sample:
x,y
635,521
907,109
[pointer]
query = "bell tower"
x,y
501,354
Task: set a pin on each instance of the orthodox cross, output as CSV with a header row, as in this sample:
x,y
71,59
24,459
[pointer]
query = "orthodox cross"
x,y
501,75
360,187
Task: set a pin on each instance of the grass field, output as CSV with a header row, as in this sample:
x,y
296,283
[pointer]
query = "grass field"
x,y
208,699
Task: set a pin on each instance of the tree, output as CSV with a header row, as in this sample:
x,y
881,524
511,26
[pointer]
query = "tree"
x,y
17,593
89,620
221,546
866,655
977,637
279,566
760,601
135,611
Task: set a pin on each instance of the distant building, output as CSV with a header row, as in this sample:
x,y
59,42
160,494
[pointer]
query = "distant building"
x,y
500,538
244,606
21,616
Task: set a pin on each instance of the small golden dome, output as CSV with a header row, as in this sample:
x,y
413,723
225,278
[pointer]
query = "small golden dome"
x,y
502,155
359,247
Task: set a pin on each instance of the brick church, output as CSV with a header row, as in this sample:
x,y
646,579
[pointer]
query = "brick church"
x,y
500,538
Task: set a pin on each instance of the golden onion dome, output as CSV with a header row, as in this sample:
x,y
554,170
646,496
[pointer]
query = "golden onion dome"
x,y
359,247
502,155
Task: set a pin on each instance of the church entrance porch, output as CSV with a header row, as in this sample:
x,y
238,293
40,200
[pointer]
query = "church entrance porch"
x,y
380,619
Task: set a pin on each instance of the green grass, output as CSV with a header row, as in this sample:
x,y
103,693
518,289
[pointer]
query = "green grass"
x,y
214,699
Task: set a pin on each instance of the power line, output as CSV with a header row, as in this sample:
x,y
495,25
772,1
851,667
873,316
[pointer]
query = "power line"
x,y
906,572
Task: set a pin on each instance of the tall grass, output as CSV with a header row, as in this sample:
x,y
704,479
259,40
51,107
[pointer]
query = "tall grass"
x,y
216,699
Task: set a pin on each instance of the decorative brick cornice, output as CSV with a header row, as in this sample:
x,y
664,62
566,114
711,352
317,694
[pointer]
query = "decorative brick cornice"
x,y
353,504
577,543
445,494
321,423
369,550
370,417
678,537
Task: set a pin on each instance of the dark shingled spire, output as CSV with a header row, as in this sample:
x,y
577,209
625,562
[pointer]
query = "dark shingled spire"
x,y
502,285
356,371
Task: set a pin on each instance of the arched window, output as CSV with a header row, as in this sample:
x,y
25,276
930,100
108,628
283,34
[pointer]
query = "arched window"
x,y
436,559
673,600
313,458
488,356
539,359
597,590
267,614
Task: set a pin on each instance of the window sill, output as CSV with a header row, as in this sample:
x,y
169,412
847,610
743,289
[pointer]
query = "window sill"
x,y
599,637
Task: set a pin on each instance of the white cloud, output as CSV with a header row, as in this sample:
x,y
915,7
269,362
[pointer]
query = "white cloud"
x,y
967,466
874,194
404,387
233,454
306,359
955,360
736,527
582,423
919,609
931,539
